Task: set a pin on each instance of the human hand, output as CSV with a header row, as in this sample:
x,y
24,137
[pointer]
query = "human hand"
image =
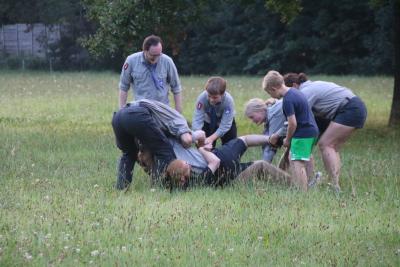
x,y
209,140
286,142
186,140
270,101
208,147
273,139
145,160
200,137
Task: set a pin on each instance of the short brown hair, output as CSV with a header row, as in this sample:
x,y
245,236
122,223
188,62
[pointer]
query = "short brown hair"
x,y
291,78
216,86
272,79
150,41
174,172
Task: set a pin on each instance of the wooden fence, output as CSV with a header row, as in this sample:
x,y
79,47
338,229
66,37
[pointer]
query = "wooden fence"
x,y
28,40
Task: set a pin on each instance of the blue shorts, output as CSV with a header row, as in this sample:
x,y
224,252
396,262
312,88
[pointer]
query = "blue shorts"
x,y
230,166
353,114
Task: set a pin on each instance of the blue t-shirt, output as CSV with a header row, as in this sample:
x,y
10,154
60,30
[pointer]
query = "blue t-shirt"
x,y
294,102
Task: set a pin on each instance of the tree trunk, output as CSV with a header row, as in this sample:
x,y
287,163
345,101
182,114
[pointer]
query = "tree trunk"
x,y
395,111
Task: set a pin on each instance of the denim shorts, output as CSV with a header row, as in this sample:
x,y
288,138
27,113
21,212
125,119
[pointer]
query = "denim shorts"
x,y
353,114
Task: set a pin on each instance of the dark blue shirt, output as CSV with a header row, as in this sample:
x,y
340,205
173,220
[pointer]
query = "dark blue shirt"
x,y
294,102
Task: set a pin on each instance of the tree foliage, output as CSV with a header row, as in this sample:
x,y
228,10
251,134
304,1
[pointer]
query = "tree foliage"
x,y
122,25
324,37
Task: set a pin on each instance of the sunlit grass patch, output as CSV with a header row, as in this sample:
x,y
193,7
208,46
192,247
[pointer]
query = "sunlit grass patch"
x,y
58,205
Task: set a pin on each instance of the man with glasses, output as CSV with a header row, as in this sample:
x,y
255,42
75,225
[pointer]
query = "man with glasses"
x,y
150,73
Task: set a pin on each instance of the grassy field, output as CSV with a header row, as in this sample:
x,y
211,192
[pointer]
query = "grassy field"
x,y
58,205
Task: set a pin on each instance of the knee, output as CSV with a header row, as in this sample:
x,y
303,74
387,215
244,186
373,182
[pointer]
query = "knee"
x,y
325,146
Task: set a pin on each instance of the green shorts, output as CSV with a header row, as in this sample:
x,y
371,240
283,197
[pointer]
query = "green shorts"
x,y
301,148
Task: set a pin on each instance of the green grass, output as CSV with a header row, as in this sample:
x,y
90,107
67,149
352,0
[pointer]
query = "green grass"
x,y
58,207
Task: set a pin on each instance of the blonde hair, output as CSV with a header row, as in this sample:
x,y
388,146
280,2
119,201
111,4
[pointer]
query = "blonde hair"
x,y
272,79
254,105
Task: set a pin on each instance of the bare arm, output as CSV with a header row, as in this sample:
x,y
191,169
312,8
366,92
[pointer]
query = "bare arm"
x,y
292,125
178,102
123,96
211,138
212,160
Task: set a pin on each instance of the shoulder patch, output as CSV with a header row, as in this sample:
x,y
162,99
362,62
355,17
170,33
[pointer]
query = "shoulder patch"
x,y
199,105
126,65
227,110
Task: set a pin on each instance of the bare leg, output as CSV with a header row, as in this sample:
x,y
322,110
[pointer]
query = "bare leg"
x,y
255,139
265,171
284,162
329,144
299,174
310,167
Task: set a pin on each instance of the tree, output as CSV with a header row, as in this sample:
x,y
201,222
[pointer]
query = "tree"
x,y
122,25
394,119
290,9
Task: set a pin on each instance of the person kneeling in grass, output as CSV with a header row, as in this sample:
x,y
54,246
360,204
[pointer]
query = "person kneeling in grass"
x,y
302,130
271,115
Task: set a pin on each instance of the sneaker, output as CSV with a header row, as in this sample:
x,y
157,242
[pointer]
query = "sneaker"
x,y
313,182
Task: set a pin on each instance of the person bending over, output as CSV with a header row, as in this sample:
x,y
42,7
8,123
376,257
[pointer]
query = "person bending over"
x,y
271,115
147,121
302,130
338,113
215,112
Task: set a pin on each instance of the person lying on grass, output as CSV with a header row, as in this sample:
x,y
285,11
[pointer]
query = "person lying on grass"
x,y
199,166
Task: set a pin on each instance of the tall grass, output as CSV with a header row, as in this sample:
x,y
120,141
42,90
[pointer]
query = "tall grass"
x,y
58,205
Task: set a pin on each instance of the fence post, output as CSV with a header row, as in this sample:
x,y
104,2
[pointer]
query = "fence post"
x,y
32,28
4,40
17,41
50,65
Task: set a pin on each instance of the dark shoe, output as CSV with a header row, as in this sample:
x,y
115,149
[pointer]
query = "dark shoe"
x,y
315,180
124,177
121,183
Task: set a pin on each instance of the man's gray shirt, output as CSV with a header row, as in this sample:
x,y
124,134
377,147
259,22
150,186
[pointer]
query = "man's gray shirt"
x,y
225,113
191,155
325,98
167,118
136,72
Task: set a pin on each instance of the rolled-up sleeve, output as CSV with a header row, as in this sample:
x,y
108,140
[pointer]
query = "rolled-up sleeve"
x,y
125,79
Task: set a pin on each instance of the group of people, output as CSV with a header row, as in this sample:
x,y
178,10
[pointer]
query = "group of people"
x,y
300,114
